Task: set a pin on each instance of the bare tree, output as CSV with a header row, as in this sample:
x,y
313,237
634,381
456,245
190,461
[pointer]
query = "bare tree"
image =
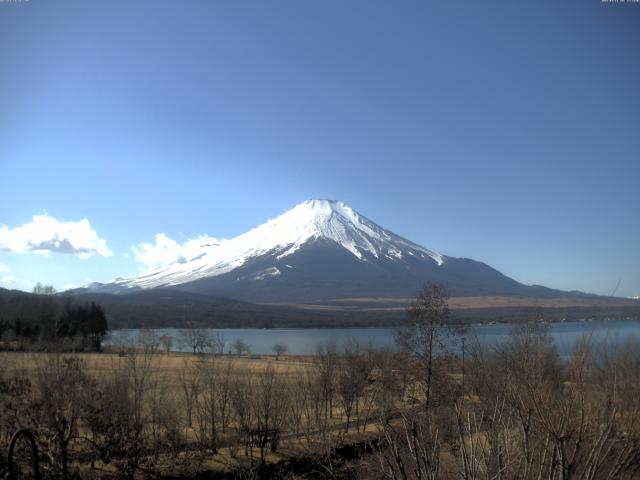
x,y
163,423
241,393
149,340
327,360
197,339
389,386
424,336
60,385
352,374
313,403
167,342
116,413
410,450
269,409
299,406
41,289
189,382
225,378
538,416
280,349
240,346
207,401
216,343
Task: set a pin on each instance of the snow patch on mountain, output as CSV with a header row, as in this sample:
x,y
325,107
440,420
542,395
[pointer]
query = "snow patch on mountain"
x,y
267,272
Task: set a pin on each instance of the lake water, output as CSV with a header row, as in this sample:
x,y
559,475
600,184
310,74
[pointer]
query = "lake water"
x,y
302,341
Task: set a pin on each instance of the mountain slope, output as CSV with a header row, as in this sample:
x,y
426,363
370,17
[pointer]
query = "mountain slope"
x,y
318,251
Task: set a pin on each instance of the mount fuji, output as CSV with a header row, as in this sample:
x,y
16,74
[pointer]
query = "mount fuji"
x,y
322,251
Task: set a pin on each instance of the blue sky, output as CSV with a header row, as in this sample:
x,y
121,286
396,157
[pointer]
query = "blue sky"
x,y
502,131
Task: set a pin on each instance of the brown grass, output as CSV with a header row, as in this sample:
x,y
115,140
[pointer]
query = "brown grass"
x,y
480,302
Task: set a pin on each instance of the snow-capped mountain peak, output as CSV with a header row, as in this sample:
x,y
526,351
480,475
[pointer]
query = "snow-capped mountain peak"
x,y
313,220
336,221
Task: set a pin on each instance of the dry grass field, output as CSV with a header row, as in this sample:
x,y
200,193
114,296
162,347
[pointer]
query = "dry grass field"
x,y
168,365
180,393
486,301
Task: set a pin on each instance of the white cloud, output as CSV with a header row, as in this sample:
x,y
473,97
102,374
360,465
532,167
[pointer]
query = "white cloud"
x,y
166,251
4,268
45,234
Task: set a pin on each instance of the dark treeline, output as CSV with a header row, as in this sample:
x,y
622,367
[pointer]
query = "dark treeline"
x,y
166,308
35,320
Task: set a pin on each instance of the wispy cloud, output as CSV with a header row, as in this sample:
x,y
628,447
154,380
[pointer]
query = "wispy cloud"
x,y
45,234
4,268
166,251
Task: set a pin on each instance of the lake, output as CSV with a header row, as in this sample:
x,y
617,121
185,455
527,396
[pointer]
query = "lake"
x,y
302,341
